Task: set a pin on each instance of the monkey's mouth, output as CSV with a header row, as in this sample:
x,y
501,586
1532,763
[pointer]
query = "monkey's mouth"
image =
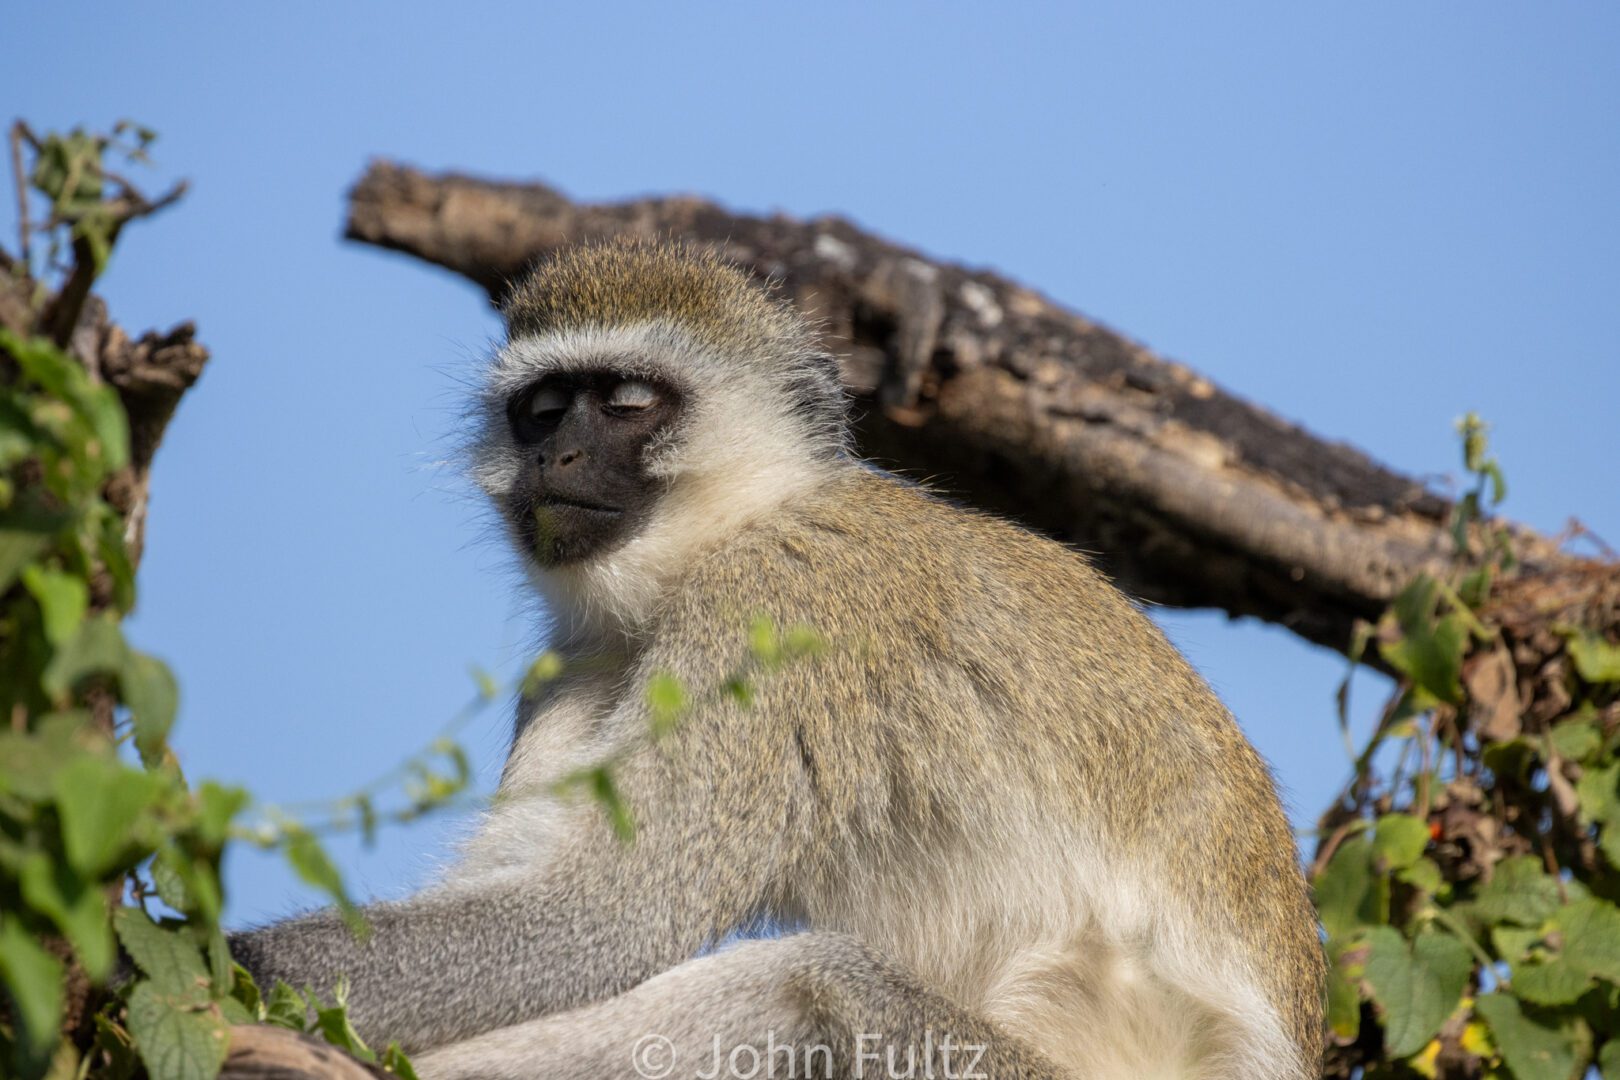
x,y
558,528
555,502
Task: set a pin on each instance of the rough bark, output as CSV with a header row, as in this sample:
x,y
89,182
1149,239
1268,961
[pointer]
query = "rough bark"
x,y
261,1052
1190,496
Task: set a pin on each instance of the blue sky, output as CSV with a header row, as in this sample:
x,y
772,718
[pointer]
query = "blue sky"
x,y
1369,217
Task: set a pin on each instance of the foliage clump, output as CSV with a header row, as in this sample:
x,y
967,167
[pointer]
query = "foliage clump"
x,y
1468,877
112,959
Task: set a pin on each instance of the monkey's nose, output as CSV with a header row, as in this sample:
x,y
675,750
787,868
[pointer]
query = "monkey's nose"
x,y
568,457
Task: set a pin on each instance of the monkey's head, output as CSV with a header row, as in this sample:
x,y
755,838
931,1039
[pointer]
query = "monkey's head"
x,y
649,397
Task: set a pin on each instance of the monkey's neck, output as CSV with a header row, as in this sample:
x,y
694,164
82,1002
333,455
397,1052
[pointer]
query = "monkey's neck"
x,y
609,600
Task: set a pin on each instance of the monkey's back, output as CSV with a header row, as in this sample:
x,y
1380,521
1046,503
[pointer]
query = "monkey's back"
x,y
1102,818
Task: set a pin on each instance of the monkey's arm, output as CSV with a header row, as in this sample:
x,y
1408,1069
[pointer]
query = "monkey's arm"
x,y
811,1004
560,911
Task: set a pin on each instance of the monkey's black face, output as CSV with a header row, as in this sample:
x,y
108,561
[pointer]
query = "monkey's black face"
x,y
584,486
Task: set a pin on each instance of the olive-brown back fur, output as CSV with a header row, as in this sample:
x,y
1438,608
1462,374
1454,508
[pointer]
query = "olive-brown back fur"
x,y
969,661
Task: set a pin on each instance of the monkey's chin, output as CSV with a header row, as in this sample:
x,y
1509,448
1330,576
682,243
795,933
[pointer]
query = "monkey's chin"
x,y
561,532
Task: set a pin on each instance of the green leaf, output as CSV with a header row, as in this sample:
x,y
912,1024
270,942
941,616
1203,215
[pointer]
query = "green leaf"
x,y
461,768
1514,759
101,802
311,863
1598,790
1343,994
63,600
67,170
98,648
1519,891
666,701
802,641
1609,1059
606,792
34,979
1431,656
17,436
1429,651
366,809
1348,893
547,667
1474,441
332,1021
217,807
286,1007
1417,987
169,880
1576,740
1591,932
246,992
44,364
115,559
95,227
153,698
1554,982
179,1037
1423,875
1475,587
30,761
488,687
168,955
1499,487
1513,943
77,907
1399,839
395,1061
26,530
1597,659
234,1012
739,690
764,642
217,951
1533,1049
19,546
105,413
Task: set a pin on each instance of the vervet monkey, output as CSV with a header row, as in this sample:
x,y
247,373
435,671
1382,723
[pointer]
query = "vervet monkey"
x,y
996,825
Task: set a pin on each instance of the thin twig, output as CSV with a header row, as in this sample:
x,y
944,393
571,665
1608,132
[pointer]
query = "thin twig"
x,y
19,135
1445,919
1425,733
1330,846
1576,529
1549,861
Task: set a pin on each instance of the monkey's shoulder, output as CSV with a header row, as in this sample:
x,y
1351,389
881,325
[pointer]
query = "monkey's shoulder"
x,y
868,551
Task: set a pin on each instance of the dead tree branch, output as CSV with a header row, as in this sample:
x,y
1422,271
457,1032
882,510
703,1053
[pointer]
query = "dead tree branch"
x,y
262,1052
1191,496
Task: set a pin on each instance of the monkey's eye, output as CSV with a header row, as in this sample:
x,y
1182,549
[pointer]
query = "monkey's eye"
x,y
631,395
547,403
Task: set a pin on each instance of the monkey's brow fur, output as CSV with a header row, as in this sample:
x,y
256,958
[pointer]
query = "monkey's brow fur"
x,y
999,804
629,282
727,318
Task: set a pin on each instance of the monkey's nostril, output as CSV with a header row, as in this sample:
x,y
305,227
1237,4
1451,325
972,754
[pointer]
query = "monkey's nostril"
x,y
568,457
